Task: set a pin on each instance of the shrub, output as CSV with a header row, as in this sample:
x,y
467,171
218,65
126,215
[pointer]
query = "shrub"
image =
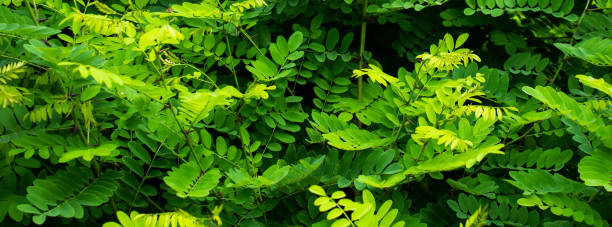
x,y
316,113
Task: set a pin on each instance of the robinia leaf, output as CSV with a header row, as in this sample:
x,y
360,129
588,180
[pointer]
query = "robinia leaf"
x,y
90,92
295,40
318,190
188,180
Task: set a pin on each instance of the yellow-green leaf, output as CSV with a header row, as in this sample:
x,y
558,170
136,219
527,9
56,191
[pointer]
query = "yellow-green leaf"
x,y
317,190
334,213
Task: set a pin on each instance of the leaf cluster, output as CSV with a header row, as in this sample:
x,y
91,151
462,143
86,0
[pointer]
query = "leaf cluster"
x,y
306,113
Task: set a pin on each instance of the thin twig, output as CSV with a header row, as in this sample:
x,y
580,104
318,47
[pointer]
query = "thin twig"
x,y
572,41
362,40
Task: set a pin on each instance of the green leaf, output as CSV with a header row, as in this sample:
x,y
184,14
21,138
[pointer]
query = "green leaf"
x,y
326,205
565,205
573,110
163,35
209,41
347,40
497,12
88,154
140,3
124,219
555,4
542,182
295,55
258,91
448,161
461,39
284,137
333,36
361,211
26,30
263,69
282,45
387,183
596,170
274,174
317,190
134,166
567,7
221,146
67,191
338,195
469,11
334,213
196,106
295,40
599,84
471,3
220,49
500,3
595,50
174,218
105,8
138,151
491,4
387,220
450,43
344,136
295,116
341,223
269,121
376,75
39,219
189,181
276,54
27,208
317,47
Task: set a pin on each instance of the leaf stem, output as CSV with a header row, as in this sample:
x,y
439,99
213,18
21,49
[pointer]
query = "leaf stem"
x,y
404,120
268,142
422,151
344,212
31,12
522,136
145,175
75,118
362,40
594,195
113,204
186,135
211,81
27,62
12,36
231,65
251,40
150,201
572,41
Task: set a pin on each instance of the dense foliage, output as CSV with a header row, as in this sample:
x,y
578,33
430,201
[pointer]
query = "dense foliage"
x,y
316,113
